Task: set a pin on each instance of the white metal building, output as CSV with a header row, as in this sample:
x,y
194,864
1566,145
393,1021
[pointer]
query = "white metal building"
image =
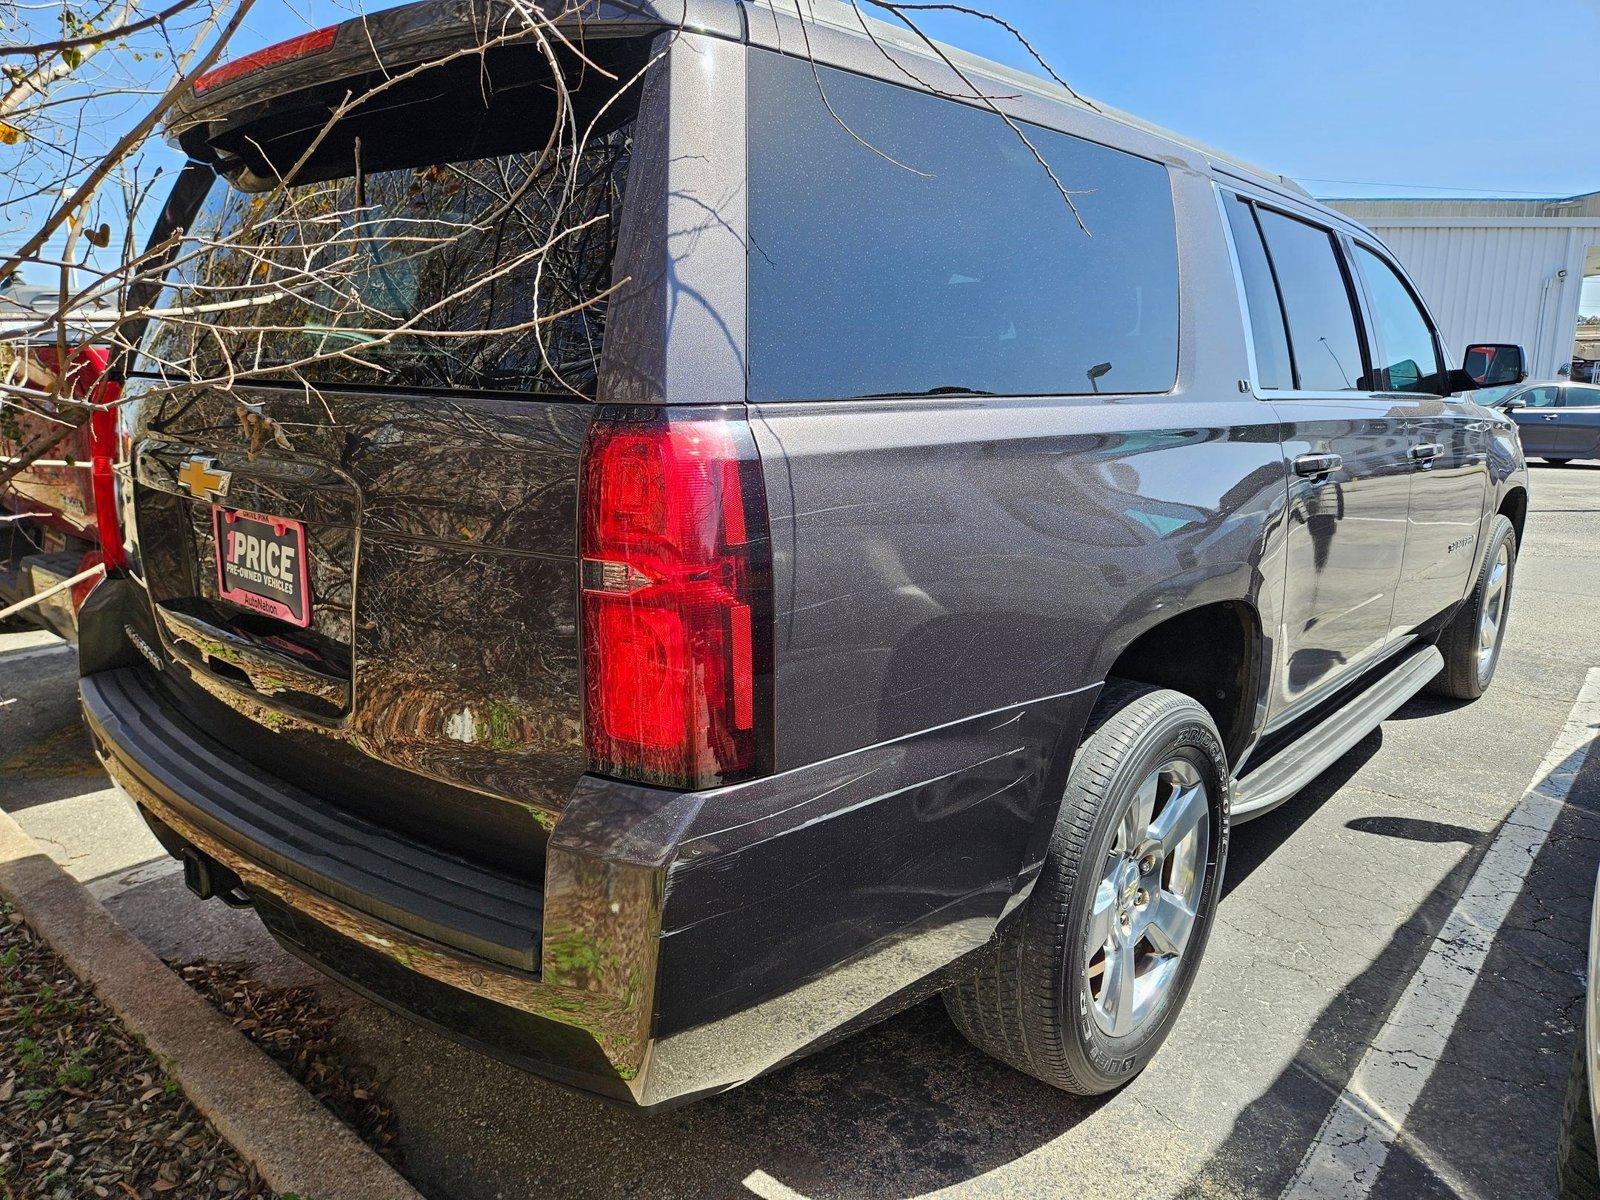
x,y
1495,270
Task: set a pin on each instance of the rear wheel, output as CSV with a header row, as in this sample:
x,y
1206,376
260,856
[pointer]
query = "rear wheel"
x,y
1471,642
1081,986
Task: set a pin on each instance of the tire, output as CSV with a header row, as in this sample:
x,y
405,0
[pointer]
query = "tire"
x,y
1558,462
1034,1002
1577,1164
1467,674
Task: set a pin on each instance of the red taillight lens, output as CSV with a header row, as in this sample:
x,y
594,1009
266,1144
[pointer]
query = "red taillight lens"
x,y
677,599
295,47
103,447
85,380
81,590
87,365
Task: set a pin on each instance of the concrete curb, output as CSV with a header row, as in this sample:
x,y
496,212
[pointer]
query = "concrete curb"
x,y
298,1146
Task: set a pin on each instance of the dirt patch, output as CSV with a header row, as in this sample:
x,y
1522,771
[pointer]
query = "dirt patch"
x,y
85,1111
67,751
295,1029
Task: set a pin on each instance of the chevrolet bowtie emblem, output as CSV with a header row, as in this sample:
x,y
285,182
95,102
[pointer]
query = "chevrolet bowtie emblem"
x,y
204,480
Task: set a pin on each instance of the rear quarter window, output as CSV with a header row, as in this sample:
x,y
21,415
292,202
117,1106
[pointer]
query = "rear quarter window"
x,y
939,255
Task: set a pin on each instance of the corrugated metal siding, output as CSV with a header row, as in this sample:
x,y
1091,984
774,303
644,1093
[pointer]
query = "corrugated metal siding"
x,y
1377,210
1488,284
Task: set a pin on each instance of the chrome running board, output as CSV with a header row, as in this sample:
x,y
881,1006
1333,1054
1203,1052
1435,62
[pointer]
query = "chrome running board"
x,y
1308,756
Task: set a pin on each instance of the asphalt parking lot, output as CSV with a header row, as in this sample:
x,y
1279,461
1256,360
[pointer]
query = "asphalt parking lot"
x,y
1306,1007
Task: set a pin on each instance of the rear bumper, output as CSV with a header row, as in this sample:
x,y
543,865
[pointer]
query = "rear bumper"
x,y
683,942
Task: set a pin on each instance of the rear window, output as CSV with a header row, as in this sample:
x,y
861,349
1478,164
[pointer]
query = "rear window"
x,y
957,266
418,269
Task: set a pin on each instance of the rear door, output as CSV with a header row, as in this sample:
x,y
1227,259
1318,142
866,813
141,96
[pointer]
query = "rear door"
x,y
1350,475
1539,420
1448,443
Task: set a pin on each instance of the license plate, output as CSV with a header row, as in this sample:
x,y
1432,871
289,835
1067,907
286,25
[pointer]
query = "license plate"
x,y
261,564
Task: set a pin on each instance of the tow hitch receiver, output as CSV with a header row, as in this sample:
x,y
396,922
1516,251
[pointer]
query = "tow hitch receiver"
x,y
206,877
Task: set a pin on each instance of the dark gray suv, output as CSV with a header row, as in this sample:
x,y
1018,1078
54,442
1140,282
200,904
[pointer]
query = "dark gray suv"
x,y
904,585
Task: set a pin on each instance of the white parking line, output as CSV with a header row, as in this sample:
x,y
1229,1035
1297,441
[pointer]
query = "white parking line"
x,y
1349,1151
768,1188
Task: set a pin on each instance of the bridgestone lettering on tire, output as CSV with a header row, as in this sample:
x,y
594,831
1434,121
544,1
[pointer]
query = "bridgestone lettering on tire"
x,y
1142,831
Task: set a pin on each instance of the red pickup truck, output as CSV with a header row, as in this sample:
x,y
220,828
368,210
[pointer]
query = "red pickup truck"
x,y
48,527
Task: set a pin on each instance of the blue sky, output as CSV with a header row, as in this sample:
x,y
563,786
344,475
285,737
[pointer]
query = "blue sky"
x,y
1398,97
1401,98
1366,98
1407,95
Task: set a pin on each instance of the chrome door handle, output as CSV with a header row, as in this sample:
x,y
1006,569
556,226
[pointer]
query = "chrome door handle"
x,y
1426,452
1552,416
1313,465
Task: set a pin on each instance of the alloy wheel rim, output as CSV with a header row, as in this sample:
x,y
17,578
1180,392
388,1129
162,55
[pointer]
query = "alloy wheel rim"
x,y
1492,617
1145,906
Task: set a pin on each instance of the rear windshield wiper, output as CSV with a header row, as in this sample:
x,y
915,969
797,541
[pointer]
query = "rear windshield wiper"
x,y
946,390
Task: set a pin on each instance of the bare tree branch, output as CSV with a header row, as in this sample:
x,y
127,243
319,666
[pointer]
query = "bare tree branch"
x,y
100,37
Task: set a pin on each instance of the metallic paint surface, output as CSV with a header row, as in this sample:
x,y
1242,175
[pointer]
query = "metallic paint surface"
x,y
954,578
433,525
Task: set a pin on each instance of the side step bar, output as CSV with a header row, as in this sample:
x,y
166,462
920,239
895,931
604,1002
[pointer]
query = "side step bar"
x,y
1298,763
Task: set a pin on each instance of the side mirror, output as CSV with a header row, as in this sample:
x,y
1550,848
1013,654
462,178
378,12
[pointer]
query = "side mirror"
x,y
1511,402
1494,364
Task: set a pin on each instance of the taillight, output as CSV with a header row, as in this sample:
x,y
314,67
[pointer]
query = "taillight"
x,y
296,47
103,447
81,589
84,380
677,598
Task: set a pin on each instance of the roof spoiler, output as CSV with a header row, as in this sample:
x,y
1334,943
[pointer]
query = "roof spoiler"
x,y
410,34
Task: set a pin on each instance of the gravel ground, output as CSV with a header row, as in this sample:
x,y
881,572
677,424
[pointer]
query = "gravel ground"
x,y
85,1110
295,1028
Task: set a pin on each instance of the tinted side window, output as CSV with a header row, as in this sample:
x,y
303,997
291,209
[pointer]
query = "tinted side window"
x,y
1407,357
1267,331
1541,397
1583,397
955,266
1322,323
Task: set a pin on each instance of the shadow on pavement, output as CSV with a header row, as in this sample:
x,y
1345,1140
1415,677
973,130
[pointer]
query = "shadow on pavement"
x,y
1255,841
18,793
1412,829
902,1108
1490,1114
1425,705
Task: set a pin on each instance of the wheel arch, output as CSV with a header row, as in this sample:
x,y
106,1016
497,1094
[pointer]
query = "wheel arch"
x,y
1214,652
1514,507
